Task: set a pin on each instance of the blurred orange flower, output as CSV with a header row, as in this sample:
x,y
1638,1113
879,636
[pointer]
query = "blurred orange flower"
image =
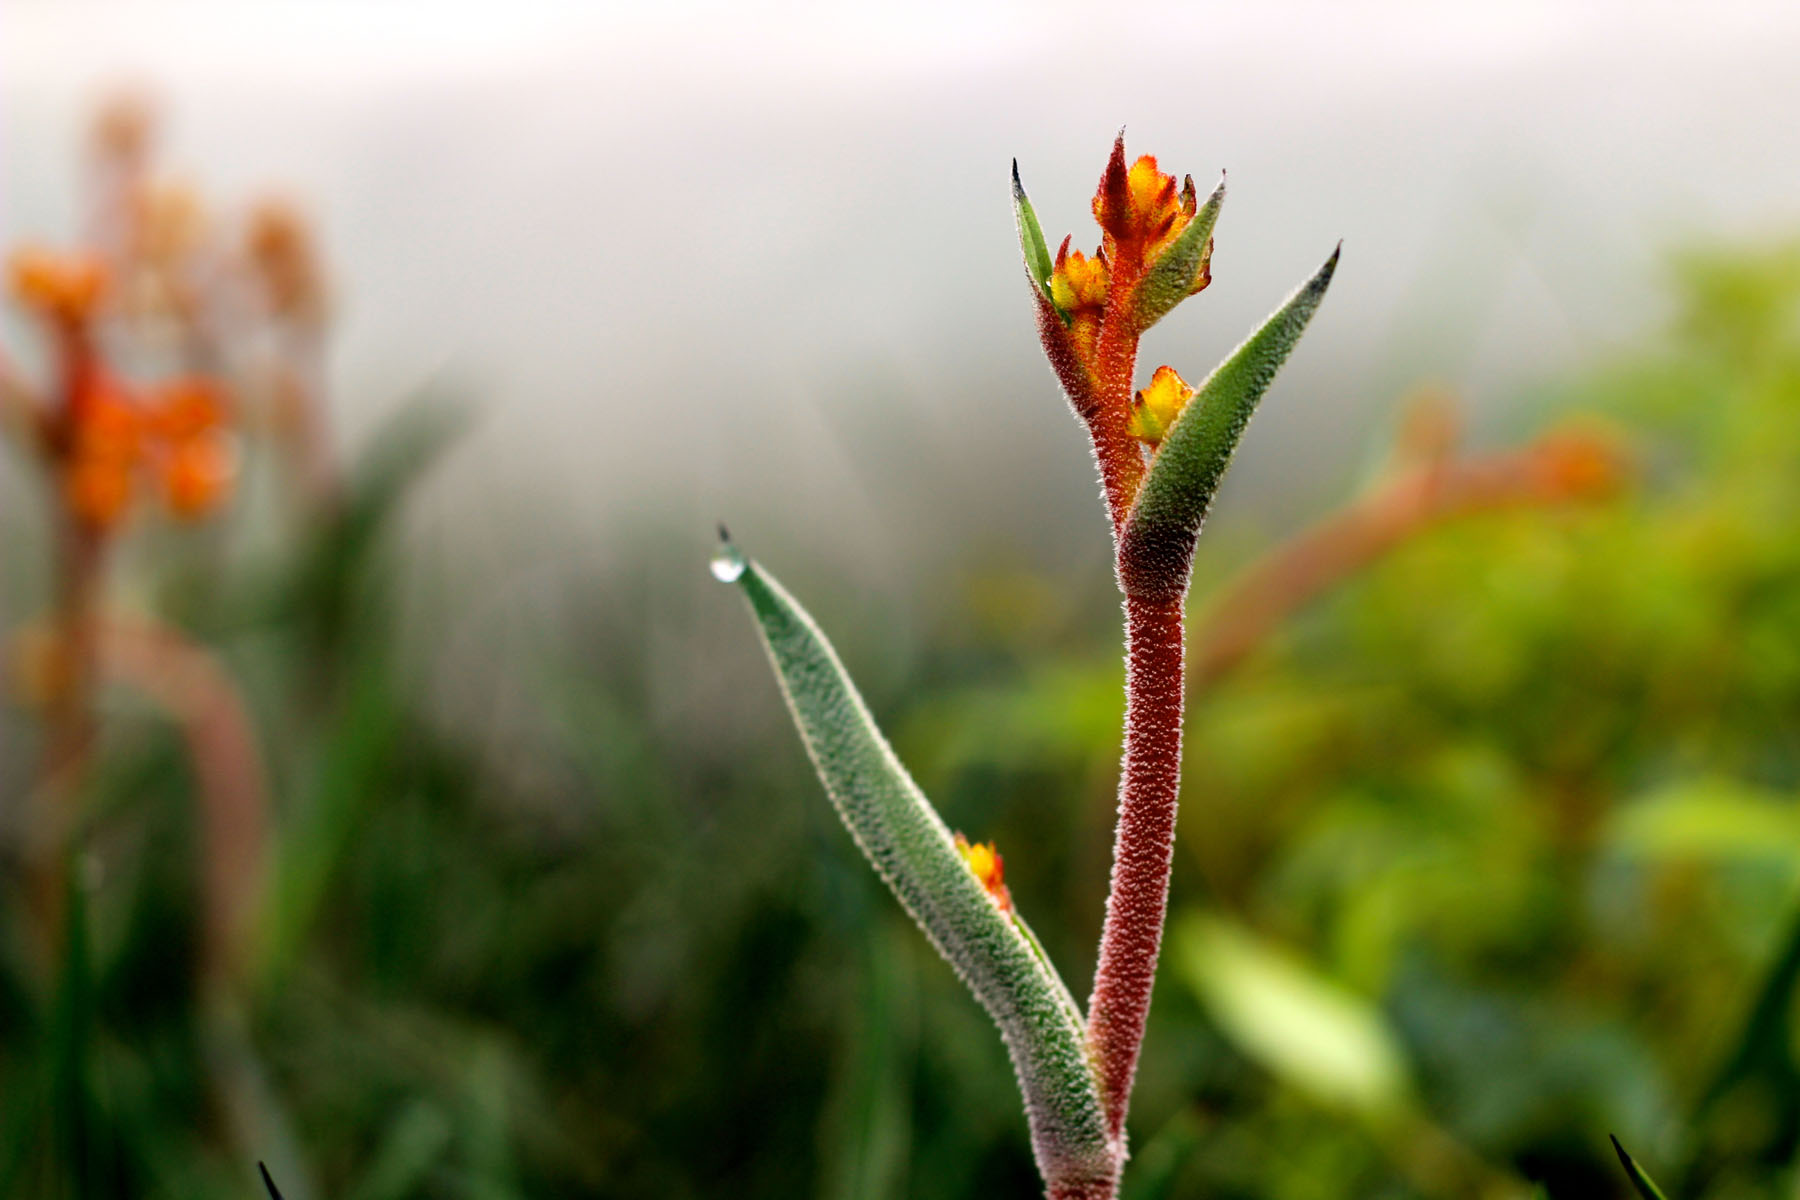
x,y
173,436
64,287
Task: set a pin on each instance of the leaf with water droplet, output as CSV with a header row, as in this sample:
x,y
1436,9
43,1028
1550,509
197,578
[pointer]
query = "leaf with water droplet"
x,y
727,562
1156,548
915,854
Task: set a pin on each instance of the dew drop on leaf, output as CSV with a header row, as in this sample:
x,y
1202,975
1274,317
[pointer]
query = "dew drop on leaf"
x,y
728,563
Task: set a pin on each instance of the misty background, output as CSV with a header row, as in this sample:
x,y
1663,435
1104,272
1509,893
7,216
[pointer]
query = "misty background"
x,y
756,261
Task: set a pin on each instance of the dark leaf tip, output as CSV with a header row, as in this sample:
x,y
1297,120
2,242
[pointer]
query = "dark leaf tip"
x,y
274,1192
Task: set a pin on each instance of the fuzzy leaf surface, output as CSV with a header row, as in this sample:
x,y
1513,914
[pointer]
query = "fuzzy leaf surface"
x,y
1031,236
1157,544
912,850
1171,280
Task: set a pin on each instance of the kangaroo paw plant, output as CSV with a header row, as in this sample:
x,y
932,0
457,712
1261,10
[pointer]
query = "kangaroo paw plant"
x,y
1161,451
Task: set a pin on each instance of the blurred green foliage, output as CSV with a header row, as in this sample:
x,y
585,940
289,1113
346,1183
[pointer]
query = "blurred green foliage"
x,y
1490,853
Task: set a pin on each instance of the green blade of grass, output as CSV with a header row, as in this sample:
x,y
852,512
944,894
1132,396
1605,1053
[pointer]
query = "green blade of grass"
x,y
1157,544
1646,1187
912,850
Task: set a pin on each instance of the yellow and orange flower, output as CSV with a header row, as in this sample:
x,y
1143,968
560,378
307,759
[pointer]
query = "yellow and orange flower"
x,y
1078,288
988,867
1140,208
1158,405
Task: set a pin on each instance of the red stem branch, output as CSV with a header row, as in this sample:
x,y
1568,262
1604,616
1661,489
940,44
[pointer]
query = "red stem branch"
x,y
1143,850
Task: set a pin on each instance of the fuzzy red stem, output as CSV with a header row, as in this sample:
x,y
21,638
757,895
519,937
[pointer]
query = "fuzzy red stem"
x,y
1084,1191
1121,456
1143,850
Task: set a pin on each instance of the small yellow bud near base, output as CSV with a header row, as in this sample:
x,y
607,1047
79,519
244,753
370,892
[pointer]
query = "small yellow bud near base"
x,y
988,867
1158,405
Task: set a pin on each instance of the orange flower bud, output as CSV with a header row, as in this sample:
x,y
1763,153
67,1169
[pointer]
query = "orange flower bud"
x,y
1580,465
1141,205
125,126
988,867
65,287
197,475
1078,288
280,247
186,407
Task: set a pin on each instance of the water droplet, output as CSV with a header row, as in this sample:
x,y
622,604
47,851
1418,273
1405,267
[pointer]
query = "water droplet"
x,y
728,563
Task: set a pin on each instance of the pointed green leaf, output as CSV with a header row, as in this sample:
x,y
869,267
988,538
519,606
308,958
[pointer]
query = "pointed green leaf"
x,y
1171,280
913,851
1646,1187
1031,236
1157,545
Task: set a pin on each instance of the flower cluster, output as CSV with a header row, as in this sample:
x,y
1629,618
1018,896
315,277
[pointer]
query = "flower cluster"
x,y
1155,251
105,440
1142,268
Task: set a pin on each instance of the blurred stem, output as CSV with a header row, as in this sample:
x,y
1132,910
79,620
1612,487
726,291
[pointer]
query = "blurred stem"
x,y
1143,849
193,687
68,718
1262,597
68,709
303,416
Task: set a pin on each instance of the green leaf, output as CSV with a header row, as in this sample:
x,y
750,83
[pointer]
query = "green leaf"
x,y
1171,280
1646,1187
1304,1028
912,850
866,1140
1157,545
1719,820
1031,237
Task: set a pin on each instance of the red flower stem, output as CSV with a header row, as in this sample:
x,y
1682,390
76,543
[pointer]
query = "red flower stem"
x,y
1143,849
69,722
1121,456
